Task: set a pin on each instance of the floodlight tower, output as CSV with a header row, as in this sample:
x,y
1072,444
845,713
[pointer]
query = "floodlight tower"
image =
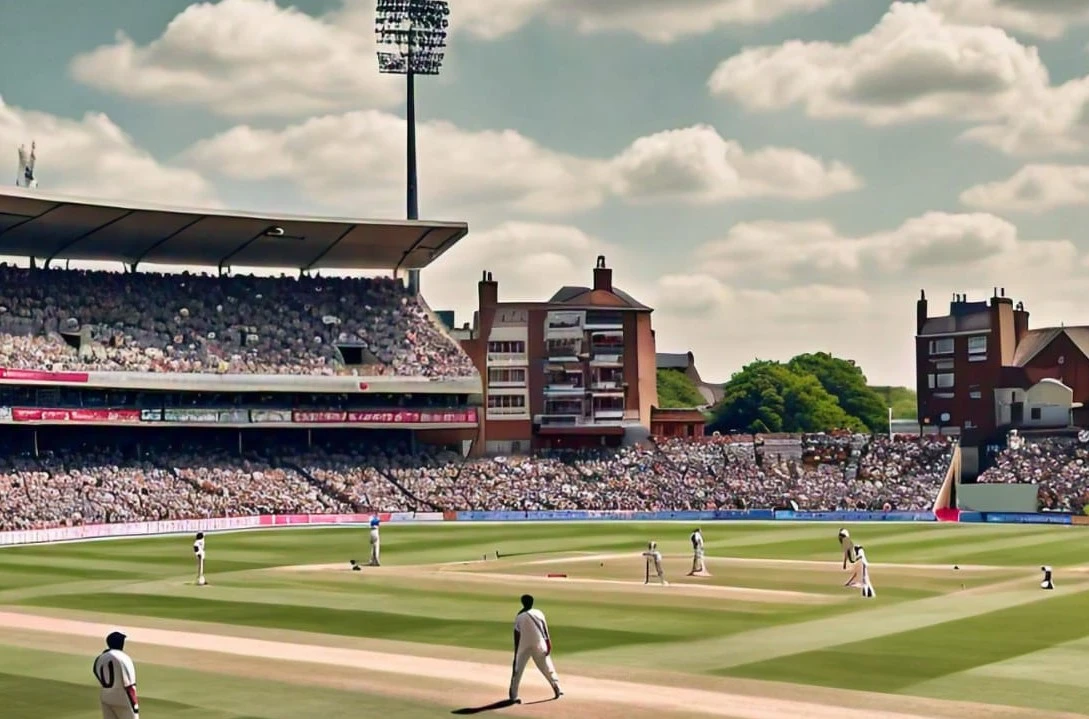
x,y
411,38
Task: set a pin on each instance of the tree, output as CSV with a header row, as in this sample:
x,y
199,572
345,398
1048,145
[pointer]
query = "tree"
x,y
844,380
677,391
772,397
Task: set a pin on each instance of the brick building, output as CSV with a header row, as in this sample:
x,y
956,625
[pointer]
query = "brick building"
x,y
980,370
575,371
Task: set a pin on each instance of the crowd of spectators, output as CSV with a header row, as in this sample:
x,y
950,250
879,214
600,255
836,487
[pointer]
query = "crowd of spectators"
x,y
1059,466
717,473
147,322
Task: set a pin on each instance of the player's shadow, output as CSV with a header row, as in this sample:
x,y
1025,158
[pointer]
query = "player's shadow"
x,y
495,705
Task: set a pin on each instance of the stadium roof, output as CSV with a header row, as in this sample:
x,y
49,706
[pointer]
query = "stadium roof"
x,y
55,227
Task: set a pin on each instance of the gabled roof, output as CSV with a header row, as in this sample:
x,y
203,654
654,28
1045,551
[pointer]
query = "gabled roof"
x,y
584,296
1035,341
672,360
55,227
957,323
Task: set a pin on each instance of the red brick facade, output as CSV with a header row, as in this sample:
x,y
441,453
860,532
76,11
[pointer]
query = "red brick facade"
x,y
974,364
577,370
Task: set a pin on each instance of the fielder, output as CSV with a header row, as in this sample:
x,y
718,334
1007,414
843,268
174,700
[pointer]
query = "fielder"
x,y
375,521
116,674
849,555
867,587
198,552
532,641
1048,583
697,553
653,556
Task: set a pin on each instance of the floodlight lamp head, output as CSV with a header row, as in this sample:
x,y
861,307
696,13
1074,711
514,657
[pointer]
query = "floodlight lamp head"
x,y
411,35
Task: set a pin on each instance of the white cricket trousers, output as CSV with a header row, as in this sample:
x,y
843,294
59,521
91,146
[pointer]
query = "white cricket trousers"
x,y
543,662
374,552
117,711
697,561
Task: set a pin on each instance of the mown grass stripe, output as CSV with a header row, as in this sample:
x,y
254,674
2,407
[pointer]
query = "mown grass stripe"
x,y
894,662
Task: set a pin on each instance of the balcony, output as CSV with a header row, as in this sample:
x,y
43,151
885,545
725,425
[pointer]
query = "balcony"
x,y
607,359
604,320
507,359
562,420
560,352
507,413
564,389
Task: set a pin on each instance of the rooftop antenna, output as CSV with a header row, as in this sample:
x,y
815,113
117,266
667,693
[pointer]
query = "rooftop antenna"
x,y
27,160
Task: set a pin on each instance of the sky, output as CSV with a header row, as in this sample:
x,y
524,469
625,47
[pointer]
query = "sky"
x,y
772,176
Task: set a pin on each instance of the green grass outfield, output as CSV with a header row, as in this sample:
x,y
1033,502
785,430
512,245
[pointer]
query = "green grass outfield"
x,y
284,630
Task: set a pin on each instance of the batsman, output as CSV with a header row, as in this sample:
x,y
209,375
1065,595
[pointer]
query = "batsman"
x,y
654,557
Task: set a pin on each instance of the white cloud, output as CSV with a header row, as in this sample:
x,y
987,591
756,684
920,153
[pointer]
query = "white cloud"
x,y
262,58
530,261
916,64
92,157
697,165
1034,189
650,19
1048,19
775,289
356,160
249,58
815,250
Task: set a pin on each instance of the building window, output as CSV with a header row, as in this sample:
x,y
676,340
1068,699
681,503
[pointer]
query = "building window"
x,y
1034,413
945,380
506,401
516,375
974,392
943,346
944,364
516,347
977,345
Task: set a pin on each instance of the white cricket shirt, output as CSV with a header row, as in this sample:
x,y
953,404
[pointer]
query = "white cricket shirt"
x,y
115,671
697,541
655,555
198,547
532,627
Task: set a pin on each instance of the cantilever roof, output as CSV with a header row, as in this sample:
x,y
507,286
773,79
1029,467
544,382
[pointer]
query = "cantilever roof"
x,y
68,228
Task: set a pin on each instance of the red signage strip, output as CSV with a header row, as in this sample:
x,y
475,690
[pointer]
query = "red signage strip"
x,y
465,416
104,416
34,375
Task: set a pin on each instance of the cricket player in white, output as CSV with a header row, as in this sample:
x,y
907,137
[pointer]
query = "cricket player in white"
x,y
653,556
532,641
697,552
116,676
867,587
198,552
849,555
375,521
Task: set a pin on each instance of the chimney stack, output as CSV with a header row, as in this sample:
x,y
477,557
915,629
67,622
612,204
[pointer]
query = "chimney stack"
x,y
487,291
920,312
603,276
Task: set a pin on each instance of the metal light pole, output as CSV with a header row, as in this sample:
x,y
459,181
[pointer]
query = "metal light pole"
x,y
411,37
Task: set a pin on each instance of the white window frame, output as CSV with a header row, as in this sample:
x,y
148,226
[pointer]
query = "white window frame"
x,y
938,346
977,345
945,380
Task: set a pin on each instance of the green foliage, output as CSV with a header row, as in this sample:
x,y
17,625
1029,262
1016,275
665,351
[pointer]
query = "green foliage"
x,y
773,397
844,380
677,391
903,400
776,397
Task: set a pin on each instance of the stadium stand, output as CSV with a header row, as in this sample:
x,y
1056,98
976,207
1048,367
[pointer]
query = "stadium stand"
x,y
143,322
175,480
1059,466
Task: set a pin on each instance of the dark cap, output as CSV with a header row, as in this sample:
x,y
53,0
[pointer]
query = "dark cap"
x,y
116,640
